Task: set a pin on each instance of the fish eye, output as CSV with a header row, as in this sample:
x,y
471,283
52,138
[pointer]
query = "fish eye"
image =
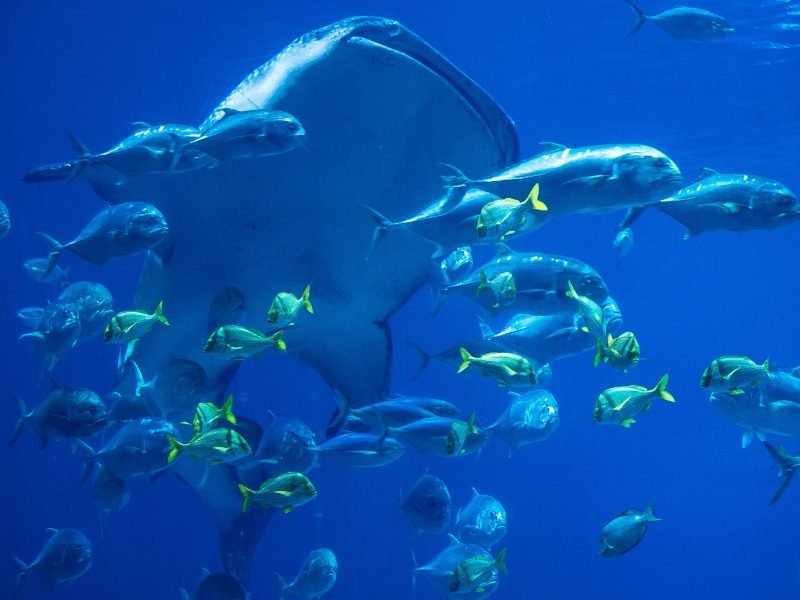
x,y
292,126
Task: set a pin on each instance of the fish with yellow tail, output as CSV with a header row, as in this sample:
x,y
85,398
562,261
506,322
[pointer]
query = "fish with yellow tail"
x,y
502,286
286,306
471,574
732,373
621,352
617,405
286,491
509,369
235,342
505,216
208,416
591,311
215,446
458,433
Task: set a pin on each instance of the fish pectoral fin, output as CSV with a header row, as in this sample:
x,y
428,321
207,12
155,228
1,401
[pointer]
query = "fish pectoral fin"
x,y
592,180
621,404
733,208
628,422
282,493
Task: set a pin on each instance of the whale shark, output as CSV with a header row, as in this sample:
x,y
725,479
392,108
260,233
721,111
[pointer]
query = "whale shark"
x,y
382,111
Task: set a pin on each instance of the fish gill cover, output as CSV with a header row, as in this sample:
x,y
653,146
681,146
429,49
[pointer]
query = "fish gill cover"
x,y
357,274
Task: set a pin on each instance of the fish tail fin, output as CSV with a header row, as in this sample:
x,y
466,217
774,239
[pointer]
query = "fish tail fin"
x,y
340,414
281,584
466,359
23,570
482,284
247,496
23,414
382,225
661,389
305,298
424,359
598,357
88,455
159,313
765,366
277,340
54,249
640,17
533,198
227,410
175,449
141,384
571,293
500,561
455,178
486,331
648,514
83,158
785,470
471,426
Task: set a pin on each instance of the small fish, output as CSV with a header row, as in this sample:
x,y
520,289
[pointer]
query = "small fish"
x,y
286,445
316,577
226,308
249,134
457,263
428,505
788,465
458,433
215,446
57,330
435,435
685,23
623,242
621,352
508,368
37,267
625,531
128,326
67,412
501,286
109,491
482,521
286,306
732,373
66,556
286,491
389,413
5,221
591,311
119,230
360,450
95,306
530,417
208,415
469,574
619,404
139,448
235,342
504,217
440,570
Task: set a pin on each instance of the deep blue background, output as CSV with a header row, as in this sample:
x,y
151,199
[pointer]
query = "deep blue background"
x,y
566,72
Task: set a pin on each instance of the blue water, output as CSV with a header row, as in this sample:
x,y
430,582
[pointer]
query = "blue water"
x,y
566,72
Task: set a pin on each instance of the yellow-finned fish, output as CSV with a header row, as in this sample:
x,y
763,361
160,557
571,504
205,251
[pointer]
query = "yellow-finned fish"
x,y
208,416
502,286
286,306
591,311
621,352
214,446
130,325
732,373
237,343
617,405
286,491
507,368
469,574
504,217
458,434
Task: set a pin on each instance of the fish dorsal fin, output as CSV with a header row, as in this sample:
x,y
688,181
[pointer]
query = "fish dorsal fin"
x,y
139,125
631,512
476,492
706,172
453,539
552,146
227,111
502,249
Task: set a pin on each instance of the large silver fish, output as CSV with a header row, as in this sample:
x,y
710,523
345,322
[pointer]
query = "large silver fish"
x,y
267,224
